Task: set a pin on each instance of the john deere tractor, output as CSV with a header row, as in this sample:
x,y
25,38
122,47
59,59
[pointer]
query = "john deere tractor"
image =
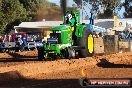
x,y
68,40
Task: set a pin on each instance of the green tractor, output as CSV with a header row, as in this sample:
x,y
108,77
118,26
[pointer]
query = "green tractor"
x,y
69,40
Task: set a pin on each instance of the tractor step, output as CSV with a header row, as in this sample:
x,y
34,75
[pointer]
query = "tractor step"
x,y
77,47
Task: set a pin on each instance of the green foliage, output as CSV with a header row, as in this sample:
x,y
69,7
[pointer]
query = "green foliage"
x,y
13,12
10,11
128,8
106,5
32,5
108,13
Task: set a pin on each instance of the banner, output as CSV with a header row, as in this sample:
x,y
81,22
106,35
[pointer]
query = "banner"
x,y
106,82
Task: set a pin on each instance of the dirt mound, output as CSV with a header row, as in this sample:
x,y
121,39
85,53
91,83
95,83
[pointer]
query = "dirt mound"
x,y
120,58
11,75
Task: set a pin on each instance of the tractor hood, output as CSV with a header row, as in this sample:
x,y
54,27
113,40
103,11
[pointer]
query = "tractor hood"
x,y
59,28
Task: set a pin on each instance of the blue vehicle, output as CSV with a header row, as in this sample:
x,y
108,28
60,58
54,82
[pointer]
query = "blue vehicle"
x,y
38,43
2,45
126,35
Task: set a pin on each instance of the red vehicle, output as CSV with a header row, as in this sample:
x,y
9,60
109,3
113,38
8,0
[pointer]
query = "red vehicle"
x,y
20,34
15,42
20,41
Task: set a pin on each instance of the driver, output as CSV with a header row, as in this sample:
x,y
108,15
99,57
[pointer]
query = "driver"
x,y
71,19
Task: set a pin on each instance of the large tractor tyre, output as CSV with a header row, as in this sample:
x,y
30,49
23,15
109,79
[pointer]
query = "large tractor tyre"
x,y
40,53
87,42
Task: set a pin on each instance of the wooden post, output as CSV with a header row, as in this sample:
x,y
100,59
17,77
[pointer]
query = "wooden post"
x,y
130,45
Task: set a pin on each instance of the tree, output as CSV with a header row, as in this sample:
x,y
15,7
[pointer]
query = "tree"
x,y
32,6
128,8
10,11
108,6
13,12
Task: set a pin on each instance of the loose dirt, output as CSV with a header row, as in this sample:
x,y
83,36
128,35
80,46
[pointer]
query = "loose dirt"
x,y
24,70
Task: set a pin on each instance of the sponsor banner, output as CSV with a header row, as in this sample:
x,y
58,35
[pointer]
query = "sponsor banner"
x,y
106,82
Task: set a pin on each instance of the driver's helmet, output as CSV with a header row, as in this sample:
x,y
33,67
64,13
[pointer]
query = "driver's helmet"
x,y
69,18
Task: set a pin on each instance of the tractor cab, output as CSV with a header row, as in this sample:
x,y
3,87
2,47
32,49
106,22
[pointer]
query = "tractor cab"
x,y
64,33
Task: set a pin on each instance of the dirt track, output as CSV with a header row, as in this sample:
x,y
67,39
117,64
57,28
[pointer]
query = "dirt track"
x,y
25,71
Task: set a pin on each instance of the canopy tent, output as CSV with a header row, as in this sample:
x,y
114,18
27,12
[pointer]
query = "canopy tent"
x,y
37,26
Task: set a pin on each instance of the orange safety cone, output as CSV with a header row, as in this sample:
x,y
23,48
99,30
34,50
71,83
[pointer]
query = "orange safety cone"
x,y
83,73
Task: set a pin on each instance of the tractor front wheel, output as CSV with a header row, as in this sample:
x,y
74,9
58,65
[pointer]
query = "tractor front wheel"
x,y
40,53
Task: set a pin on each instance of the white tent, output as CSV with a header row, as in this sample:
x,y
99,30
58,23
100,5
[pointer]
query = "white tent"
x,y
34,26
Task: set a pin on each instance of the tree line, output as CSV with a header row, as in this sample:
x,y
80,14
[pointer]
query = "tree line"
x,y
108,8
13,12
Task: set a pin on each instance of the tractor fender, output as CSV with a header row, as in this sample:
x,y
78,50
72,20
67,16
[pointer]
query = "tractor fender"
x,y
79,30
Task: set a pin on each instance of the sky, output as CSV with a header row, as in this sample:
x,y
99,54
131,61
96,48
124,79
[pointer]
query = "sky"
x,y
71,2
55,1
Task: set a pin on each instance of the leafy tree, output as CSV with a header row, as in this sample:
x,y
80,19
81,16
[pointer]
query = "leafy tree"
x,y
108,6
32,6
128,8
10,11
13,12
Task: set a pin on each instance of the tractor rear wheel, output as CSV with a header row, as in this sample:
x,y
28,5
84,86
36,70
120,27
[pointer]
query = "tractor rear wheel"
x,y
40,53
87,42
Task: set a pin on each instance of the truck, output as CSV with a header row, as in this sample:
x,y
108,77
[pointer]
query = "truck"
x,y
69,40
